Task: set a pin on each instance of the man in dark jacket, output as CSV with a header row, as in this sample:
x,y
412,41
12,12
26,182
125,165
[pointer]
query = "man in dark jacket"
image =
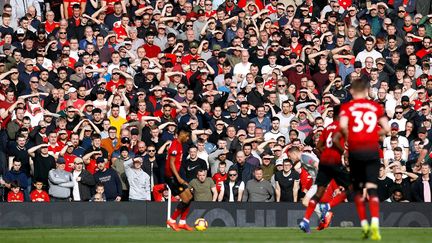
x,y
421,188
245,170
18,176
83,182
110,179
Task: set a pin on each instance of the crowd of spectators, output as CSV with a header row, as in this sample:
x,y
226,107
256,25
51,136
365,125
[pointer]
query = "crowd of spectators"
x,y
92,93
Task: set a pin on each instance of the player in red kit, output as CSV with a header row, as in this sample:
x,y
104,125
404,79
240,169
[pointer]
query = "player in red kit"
x,y
359,122
178,185
330,168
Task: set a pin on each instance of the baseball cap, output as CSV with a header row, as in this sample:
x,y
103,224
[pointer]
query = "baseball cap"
x,y
222,54
123,64
72,90
294,33
60,160
125,140
405,98
100,91
279,161
292,55
422,130
233,109
7,46
193,45
295,119
357,64
78,64
333,14
241,132
394,126
267,156
62,131
20,31
216,47
380,61
100,160
307,32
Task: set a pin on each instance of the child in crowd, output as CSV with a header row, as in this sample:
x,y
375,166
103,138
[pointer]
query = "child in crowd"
x,y
39,195
100,195
15,194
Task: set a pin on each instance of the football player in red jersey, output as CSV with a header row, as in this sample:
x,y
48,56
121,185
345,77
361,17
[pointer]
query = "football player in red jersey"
x,y
329,168
178,185
359,122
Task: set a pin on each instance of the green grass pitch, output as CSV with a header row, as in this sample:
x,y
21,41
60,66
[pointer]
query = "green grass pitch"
x,y
215,234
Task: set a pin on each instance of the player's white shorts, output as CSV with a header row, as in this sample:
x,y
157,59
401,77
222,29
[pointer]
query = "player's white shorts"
x,y
311,191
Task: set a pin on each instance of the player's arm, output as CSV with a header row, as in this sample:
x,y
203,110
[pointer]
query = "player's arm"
x,y
337,141
277,191
296,188
385,128
343,124
320,146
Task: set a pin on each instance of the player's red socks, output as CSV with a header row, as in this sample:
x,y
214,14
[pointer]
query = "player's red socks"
x,y
176,214
374,206
338,199
185,213
310,209
360,206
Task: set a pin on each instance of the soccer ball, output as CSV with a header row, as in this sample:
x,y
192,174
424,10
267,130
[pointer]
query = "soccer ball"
x,y
201,224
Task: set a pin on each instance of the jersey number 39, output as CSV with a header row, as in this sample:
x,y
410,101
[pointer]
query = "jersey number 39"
x,y
363,120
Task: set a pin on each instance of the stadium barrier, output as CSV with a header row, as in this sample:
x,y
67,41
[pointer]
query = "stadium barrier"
x,y
18,215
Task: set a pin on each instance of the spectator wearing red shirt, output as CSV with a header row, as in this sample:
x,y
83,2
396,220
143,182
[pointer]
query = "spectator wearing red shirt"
x,y
49,23
53,147
193,53
39,195
120,28
15,195
69,158
160,193
110,5
221,176
68,7
272,7
151,49
116,80
9,99
296,47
